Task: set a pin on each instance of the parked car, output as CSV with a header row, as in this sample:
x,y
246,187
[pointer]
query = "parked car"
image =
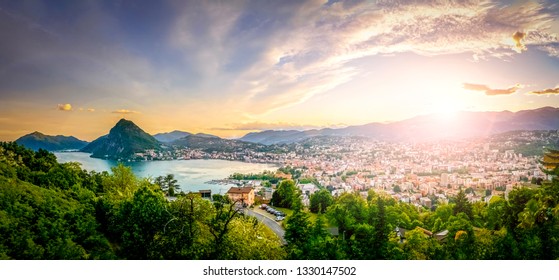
x,y
279,218
263,206
279,213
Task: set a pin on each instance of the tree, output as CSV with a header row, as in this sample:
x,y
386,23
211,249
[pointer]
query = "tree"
x,y
495,213
381,231
286,194
460,241
185,235
463,205
168,184
139,220
347,211
297,232
219,227
550,162
417,245
320,201
252,240
122,183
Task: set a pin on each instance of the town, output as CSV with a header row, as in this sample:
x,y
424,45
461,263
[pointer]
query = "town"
x,y
422,174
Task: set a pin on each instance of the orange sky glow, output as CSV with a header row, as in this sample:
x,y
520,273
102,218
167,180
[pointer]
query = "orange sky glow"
x,y
234,67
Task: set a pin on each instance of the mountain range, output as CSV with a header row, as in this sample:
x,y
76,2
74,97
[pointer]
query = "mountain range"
x,y
425,128
169,137
37,140
126,138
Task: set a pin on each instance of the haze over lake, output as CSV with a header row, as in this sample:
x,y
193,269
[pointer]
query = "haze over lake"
x,y
192,175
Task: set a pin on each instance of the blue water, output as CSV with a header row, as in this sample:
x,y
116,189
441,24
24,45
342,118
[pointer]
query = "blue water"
x,y
191,175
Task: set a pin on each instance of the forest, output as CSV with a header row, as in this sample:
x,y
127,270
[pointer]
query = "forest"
x,y
51,210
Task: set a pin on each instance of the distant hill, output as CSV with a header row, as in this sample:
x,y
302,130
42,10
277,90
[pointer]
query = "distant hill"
x,y
168,137
210,143
428,127
123,140
269,137
37,140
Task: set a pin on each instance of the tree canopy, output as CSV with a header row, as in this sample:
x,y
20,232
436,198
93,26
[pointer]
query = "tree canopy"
x,y
50,210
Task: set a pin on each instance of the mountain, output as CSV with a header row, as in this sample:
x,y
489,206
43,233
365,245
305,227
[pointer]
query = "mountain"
x,y
428,127
170,136
37,140
269,137
210,143
123,140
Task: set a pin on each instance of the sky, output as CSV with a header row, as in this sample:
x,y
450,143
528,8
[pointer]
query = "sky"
x,y
232,67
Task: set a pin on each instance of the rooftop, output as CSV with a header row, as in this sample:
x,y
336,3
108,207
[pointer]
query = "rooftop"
x,y
239,190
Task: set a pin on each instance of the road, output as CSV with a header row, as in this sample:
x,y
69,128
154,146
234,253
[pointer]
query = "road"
x,y
269,222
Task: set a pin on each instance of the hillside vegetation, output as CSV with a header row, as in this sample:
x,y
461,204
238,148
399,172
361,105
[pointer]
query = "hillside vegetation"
x,y
50,210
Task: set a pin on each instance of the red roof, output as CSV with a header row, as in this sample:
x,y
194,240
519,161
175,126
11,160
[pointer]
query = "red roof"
x,y
239,190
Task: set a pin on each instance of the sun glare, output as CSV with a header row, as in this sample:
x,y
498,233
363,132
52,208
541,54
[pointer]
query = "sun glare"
x,y
445,109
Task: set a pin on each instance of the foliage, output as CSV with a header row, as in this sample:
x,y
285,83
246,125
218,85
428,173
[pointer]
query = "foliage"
x,y
462,205
265,176
320,201
38,223
59,211
168,184
286,195
50,210
295,173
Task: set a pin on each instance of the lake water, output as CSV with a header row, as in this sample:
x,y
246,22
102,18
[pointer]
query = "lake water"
x,y
191,175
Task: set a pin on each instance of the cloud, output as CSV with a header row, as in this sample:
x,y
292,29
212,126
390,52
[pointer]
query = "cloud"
x,y
40,54
518,37
546,91
254,56
476,87
91,110
64,107
489,91
276,56
125,111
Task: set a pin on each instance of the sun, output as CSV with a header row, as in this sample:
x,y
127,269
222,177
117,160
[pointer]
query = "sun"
x,y
445,109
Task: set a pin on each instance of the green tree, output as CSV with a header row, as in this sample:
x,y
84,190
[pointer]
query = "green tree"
x,y
417,245
186,235
347,211
462,205
139,220
219,227
121,184
168,184
286,194
461,239
251,240
297,233
320,201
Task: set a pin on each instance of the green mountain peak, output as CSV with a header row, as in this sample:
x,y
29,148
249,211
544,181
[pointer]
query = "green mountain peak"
x,y
123,141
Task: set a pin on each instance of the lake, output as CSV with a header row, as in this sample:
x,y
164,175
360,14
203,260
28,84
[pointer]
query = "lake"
x,y
191,175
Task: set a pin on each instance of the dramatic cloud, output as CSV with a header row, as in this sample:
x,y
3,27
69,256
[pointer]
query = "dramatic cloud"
x,y
489,91
305,48
64,107
245,60
125,111
546,91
